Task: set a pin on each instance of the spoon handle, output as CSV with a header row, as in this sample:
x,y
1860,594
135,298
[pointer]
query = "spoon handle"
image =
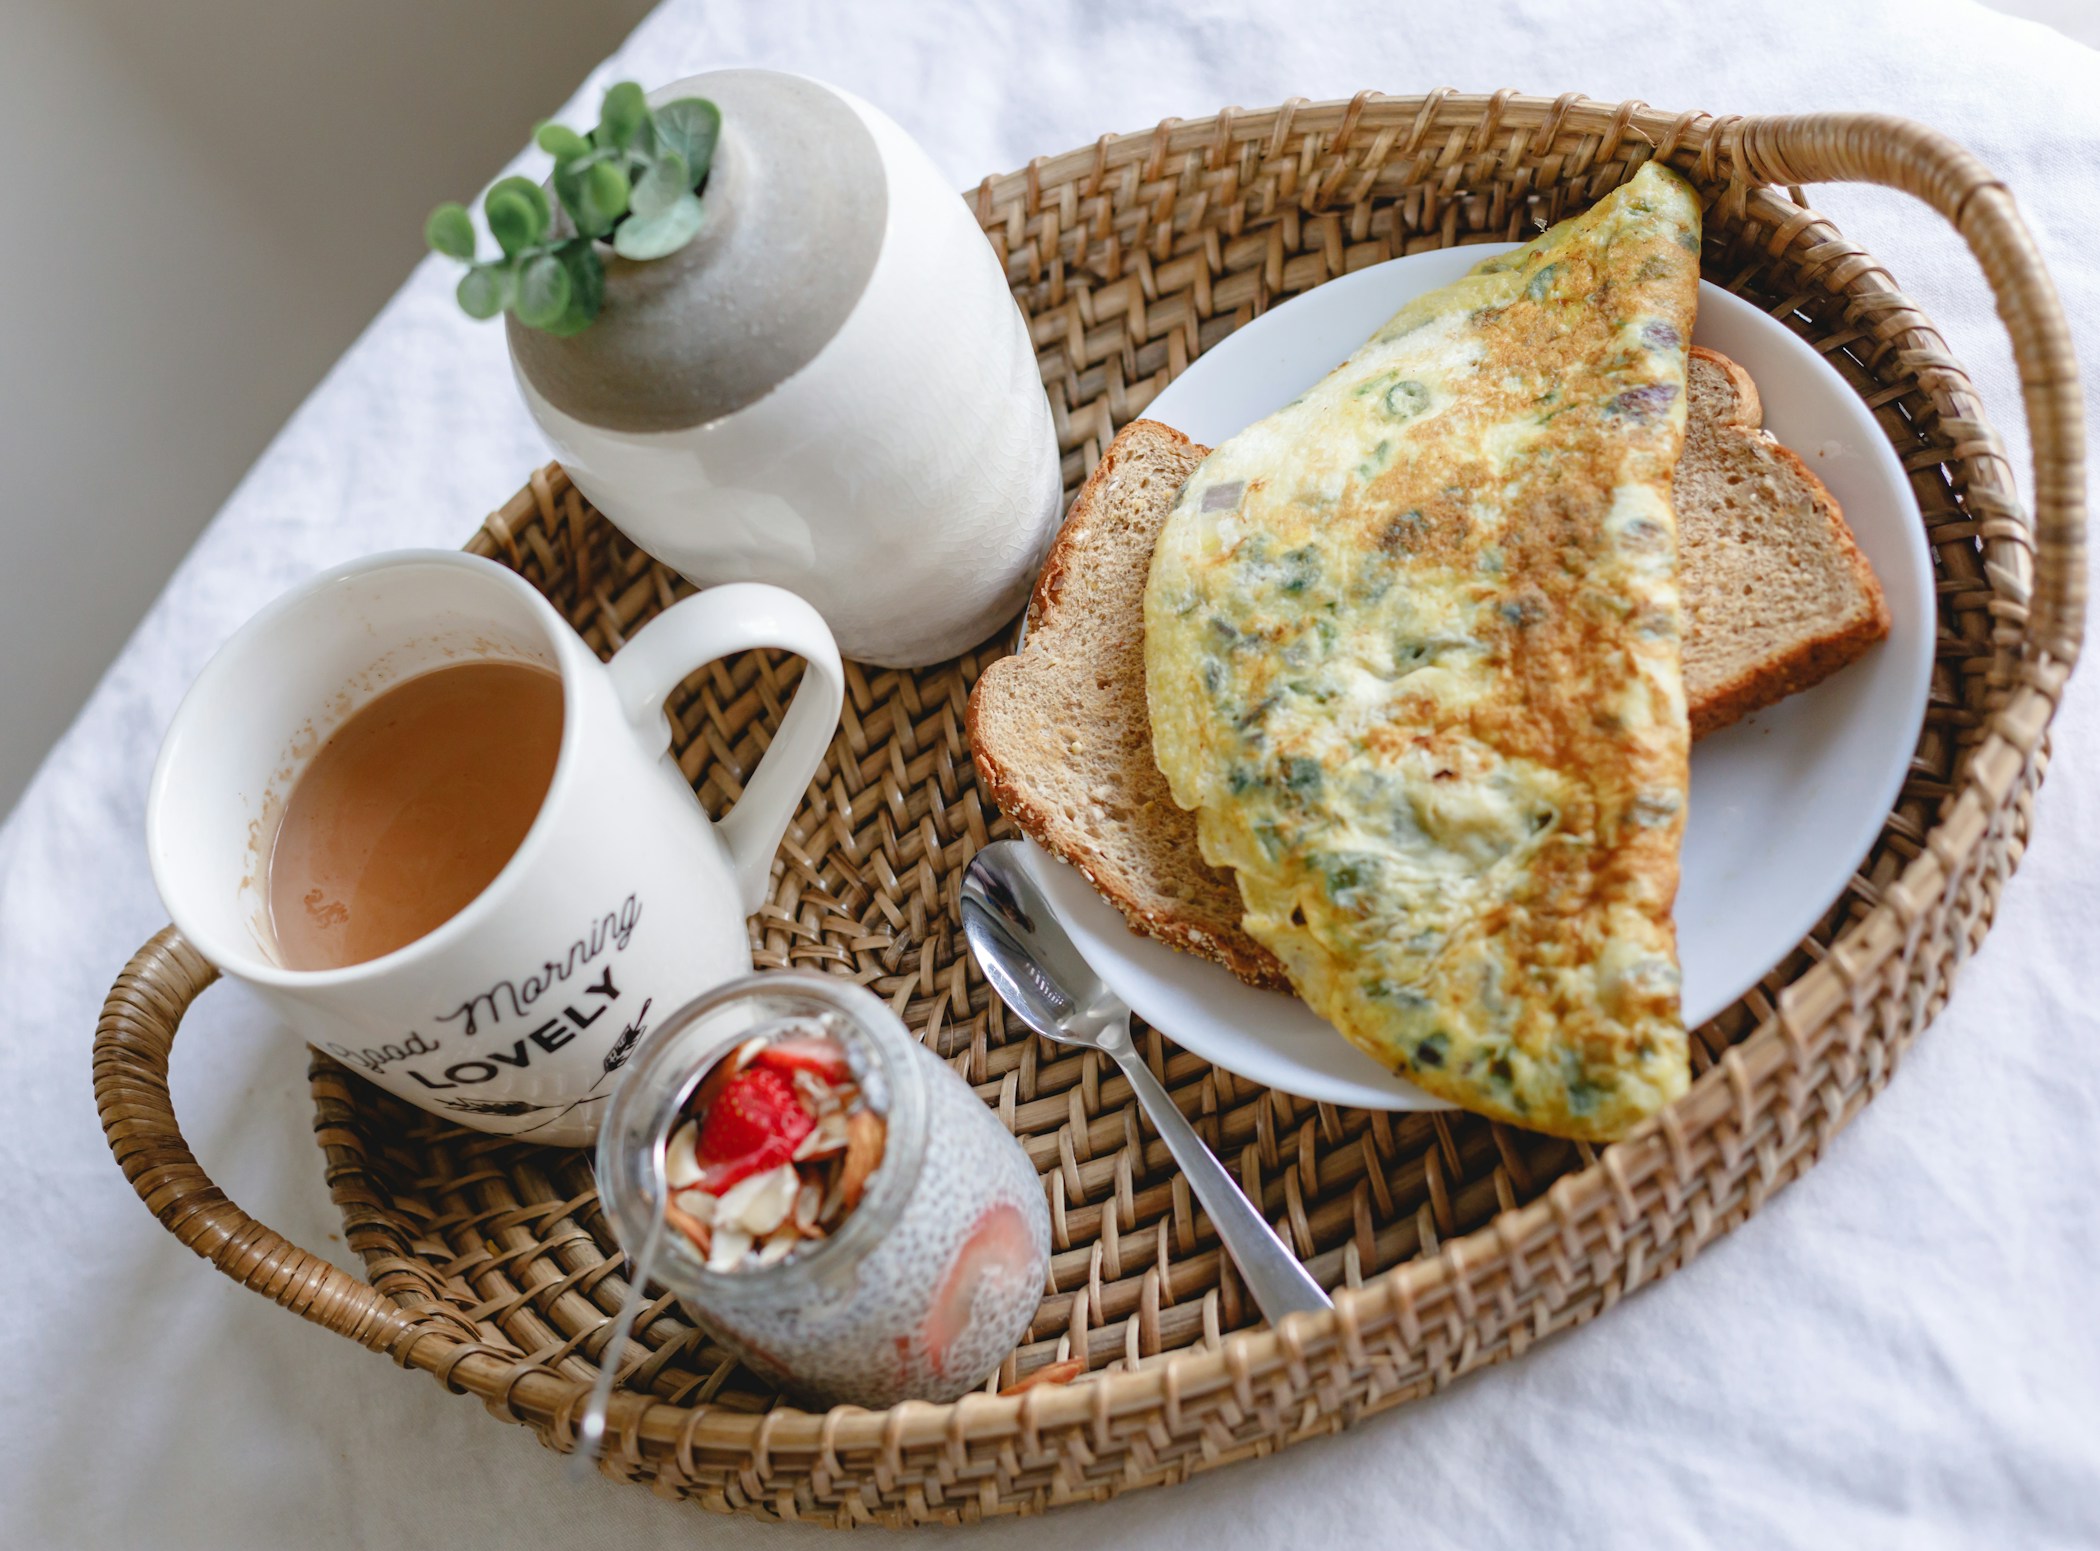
x,y
1272,1273
590,1430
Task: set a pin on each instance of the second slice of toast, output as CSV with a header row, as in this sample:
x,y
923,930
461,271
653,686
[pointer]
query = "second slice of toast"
x,y
1776,594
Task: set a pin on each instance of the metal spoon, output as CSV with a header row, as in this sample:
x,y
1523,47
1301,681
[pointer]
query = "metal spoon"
x,y
590,1426
1038,972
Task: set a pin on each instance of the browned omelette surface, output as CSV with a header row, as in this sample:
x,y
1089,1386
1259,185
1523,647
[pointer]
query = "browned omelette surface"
x,y
1412,651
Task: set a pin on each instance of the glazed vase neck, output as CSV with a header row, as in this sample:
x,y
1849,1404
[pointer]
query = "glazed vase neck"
x,y
796,204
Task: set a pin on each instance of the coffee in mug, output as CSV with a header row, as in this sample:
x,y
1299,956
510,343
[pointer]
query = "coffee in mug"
x,y
403,817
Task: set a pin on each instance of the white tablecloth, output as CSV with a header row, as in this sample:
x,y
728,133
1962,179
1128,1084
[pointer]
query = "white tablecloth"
x,y
1900,1350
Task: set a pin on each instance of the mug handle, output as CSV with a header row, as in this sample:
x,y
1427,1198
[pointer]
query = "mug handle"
x,y
723,620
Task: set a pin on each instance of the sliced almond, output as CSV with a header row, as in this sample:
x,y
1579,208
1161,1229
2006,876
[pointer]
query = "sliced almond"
x,y
682,1157
834,1203
697,1203
807,1200
762,1202
826,1137
778,1246
711,1086
730,1207
865,1136
1050,1373
692,1227
730,1248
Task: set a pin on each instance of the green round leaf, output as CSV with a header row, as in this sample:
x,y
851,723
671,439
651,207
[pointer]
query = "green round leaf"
x,y
660,187
561,142
450,231
568,188
667,232
621,115
543,291
690,126
535,198
604,197
484,290
586,286
510,221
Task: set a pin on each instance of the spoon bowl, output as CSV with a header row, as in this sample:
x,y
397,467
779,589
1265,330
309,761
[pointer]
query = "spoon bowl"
x,y
1038,972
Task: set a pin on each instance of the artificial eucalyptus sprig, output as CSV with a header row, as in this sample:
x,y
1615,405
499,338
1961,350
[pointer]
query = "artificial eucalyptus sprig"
x,y
632,182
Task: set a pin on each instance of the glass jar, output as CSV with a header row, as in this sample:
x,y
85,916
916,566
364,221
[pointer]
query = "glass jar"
x,y
926,1284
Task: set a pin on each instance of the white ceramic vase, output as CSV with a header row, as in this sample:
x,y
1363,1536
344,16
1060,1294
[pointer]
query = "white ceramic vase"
x,y
831,389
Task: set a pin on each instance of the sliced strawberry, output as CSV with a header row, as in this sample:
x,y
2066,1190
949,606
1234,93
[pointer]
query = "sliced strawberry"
x,y
810,1053
999,1245
753,1125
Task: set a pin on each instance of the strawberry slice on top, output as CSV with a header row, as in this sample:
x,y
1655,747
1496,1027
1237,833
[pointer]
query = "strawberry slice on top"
x,y
821,1058
754,1124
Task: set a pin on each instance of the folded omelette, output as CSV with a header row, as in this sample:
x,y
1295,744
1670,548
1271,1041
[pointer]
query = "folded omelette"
x,y
1412,656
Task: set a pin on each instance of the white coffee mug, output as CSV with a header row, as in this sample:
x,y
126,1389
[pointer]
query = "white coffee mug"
x,y
621,903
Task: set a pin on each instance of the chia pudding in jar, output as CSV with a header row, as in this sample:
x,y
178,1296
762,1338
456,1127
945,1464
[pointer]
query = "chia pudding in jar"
x,y
840,1210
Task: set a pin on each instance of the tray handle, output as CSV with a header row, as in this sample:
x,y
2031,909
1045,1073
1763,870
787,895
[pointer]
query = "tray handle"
x,y
132,1040
1901,154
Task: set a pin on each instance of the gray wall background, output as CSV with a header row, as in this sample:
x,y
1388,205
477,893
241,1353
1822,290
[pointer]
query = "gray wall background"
x,y
205,201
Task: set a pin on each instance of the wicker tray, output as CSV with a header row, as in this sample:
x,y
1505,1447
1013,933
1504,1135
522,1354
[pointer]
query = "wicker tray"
x,y
1453,1242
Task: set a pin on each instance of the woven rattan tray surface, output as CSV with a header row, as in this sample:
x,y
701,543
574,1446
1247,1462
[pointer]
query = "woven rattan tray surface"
x,y
1455,1242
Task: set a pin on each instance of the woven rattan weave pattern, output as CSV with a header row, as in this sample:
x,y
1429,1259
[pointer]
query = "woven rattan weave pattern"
x,y
490,1264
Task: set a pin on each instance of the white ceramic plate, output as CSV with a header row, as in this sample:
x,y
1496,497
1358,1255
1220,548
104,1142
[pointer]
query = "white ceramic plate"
x,y
1784,805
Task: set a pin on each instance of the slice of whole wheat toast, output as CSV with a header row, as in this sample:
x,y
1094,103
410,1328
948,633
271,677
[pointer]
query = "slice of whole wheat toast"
x,y
1060,731
1062,737
1776,594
